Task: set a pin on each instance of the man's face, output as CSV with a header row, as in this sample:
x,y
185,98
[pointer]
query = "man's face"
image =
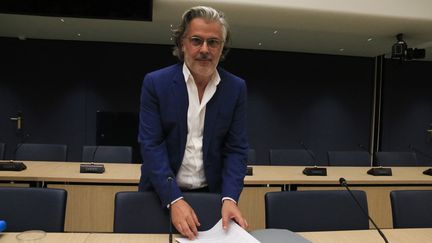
x,y
202,47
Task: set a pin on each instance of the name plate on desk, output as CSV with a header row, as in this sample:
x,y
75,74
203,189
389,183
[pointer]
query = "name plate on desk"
x,y
12,166
92,168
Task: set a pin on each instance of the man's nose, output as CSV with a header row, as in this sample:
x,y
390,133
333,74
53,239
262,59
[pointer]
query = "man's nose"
x,y
204,48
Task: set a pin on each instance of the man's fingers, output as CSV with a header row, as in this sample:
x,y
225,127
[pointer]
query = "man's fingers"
x,y
192,226
195,218
225,222
187,231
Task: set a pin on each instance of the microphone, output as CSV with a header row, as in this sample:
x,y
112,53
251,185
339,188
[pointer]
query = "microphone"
x,y
94,154
13,165
428,171
170,179
313,171
92,167
344,183
377,171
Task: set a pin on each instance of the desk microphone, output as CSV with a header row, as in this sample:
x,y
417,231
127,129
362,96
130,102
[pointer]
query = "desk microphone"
x,y
313,171
344,183
92,167
170,179
377,171
12,165
415,150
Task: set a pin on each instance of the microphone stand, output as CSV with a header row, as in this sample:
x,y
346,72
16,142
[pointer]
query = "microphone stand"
x,y
377,171
343,183
428,171
170,179
313,171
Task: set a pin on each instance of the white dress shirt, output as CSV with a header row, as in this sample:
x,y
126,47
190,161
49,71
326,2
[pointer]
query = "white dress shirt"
x,y
191,174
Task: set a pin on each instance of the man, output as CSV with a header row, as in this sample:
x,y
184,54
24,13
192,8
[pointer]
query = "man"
x,y
193,123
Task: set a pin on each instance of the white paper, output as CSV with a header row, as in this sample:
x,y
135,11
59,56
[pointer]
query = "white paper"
x,y
217,234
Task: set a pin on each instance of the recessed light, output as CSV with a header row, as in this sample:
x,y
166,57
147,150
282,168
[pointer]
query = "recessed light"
x,y
78,34
369,39
171,38
341,49
275,32
171,25
260,44
62,20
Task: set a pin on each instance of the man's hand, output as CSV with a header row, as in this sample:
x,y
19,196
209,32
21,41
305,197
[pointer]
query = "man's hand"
x,y
184,219
231,211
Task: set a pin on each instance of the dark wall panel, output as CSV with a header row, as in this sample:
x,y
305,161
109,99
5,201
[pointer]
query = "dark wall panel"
x,y
322,100
59,85
407,108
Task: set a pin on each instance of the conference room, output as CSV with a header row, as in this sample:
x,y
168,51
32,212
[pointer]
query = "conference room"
x,y
338,95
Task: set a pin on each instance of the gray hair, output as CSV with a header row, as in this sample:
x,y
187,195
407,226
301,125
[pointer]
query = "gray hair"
x,y
204,12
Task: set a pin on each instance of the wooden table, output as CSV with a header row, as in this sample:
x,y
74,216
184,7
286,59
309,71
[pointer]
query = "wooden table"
x,y
90,205
355,236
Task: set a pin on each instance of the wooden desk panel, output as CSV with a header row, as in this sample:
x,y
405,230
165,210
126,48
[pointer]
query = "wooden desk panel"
x,y
352,236
90,208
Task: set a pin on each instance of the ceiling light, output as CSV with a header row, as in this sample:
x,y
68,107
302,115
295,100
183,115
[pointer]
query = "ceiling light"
x,y
275,32
341,49
370,39
259,43
78,34
62,20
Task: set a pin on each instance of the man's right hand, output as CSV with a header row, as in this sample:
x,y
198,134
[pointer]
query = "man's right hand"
x,y
184,219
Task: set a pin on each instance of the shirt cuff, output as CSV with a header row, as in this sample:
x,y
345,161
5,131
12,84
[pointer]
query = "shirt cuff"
x,y
168,206
228,198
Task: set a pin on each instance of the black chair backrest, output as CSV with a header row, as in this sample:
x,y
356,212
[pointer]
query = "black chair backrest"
x,y
107,154
141,212
349,158
299,157
251,157
315,210
411,208
33,208
41,152
396,159
2,150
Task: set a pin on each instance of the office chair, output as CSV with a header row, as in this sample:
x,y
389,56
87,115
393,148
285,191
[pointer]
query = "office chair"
x,y
411,208
107,154
251,157
315,210
297,157
2,151
41,152
33,208
396,158
349,158
141,212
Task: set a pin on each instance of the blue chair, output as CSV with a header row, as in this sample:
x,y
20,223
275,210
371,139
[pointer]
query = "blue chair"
x,y
41,152
349,158
315,210
396,158
299,157
141,212
33,208
411,208
107,154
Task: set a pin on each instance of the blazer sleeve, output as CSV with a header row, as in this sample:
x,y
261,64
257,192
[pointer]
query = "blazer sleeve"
x,y
235,149
156,164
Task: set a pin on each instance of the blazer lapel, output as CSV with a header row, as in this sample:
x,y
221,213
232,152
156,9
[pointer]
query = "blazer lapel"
x,y
212,109
179,91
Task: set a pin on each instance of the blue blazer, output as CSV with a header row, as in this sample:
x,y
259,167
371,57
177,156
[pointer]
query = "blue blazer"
x,y
163,133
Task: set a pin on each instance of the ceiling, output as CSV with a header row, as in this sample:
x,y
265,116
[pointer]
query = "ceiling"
x,y
339,27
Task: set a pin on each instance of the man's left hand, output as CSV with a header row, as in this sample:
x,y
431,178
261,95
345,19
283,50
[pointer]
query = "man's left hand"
x,y
230,210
